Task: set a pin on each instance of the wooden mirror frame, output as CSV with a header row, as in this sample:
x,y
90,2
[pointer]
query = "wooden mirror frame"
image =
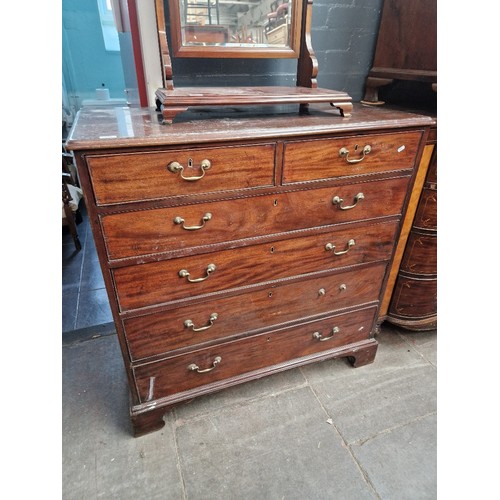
x,y
171,101
180,50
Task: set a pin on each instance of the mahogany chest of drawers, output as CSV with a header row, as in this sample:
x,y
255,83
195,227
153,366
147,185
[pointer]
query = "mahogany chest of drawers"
x,y
237,247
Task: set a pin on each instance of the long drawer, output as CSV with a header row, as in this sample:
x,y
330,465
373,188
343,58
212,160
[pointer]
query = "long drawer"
x,y
223,361
158,333
128,177
318,159
169,280
153,231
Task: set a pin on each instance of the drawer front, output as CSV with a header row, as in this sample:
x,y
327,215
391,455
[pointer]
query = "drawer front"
x,y
414,298
198,323
161,230
159,282
420,256
426,215
161,379
128,177
321,158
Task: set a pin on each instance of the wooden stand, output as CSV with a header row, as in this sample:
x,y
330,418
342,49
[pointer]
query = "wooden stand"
x,y
173,102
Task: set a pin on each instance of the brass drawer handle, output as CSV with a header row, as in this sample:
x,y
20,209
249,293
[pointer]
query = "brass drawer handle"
x,y
176,167
337,200
183,273
331,247
189,324
344,153
195,368
179,220
318,336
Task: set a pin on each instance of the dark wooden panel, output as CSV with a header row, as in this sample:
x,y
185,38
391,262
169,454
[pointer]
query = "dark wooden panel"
x,y
420,254
125,177
165,331
426,215
159,282
155,231
407,35
320,159
414,298
157,380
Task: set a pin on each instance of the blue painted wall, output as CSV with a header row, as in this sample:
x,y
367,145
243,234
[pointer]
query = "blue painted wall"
x,y
86,62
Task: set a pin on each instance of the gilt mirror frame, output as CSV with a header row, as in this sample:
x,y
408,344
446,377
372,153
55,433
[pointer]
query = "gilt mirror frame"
x,y
235,50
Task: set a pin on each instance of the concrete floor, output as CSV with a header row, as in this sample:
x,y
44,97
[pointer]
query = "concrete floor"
x,y
325,431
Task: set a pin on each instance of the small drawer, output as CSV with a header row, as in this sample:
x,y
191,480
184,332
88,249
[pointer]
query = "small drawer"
x,y
231,316
129,177
414,298
169,280
420,256
223,361
426,215
322,159
160,230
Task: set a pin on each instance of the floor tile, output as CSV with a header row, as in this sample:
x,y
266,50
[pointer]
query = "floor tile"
x,y
101,459
69,310
398,387
401,464
273,448
91,278
240,394
93,308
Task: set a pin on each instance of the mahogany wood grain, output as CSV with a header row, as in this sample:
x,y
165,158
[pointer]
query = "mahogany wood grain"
x,y
120,178
160,379
156,334
426,216
320,158
159,282
414,299
420,255
154,231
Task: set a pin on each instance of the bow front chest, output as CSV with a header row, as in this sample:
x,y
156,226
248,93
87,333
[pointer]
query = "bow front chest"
x,y
237,247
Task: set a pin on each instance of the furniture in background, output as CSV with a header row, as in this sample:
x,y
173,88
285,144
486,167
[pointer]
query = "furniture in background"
x,y
71,196
406,46
232,253
405,75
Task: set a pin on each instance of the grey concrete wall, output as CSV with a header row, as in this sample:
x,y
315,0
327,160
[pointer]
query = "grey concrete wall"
x,y
344,34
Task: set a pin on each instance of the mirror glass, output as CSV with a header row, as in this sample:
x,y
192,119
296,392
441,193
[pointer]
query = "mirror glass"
x,y
219,28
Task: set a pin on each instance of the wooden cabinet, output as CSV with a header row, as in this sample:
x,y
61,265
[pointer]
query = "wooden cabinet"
x,y
233,248
406,47
413,303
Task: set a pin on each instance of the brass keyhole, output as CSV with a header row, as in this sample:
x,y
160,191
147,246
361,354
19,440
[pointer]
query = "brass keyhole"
x,y
272,250
275,203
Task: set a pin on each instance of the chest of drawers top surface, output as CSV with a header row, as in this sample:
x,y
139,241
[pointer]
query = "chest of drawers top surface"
x,y
135,127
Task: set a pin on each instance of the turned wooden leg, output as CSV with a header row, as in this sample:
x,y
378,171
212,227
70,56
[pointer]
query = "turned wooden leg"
x,y
148,421
363,356
371,90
